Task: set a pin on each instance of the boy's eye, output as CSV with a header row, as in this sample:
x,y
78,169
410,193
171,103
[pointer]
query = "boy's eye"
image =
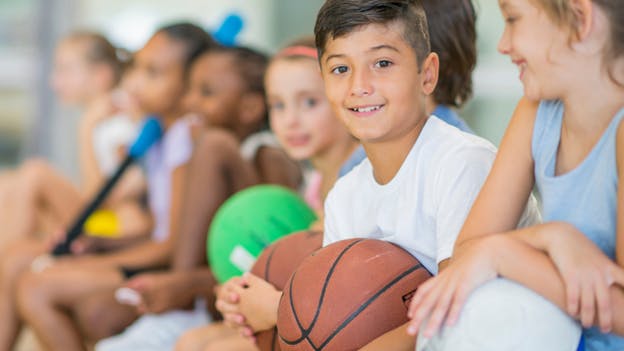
x,y
383,63
340,70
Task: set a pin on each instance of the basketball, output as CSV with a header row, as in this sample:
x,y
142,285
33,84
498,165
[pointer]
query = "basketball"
x,y
346,294
502,315
248,222
275,265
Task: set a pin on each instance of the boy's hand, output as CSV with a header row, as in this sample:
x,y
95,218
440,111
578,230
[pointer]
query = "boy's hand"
x,y
227,302
160,292
258,303
587,274
443,296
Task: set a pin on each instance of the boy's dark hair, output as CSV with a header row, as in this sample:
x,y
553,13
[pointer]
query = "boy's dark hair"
x,y
195,39
337,18
452,28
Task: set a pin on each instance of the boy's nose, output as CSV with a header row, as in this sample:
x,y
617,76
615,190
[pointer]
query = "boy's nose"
x,y
361,84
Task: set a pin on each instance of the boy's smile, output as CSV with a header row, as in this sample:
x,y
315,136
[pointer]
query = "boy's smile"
x,y
374,83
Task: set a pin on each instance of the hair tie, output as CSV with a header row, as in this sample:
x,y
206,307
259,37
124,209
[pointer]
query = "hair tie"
x,y
298,51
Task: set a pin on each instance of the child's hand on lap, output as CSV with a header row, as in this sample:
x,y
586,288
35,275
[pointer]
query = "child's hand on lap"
x,y
227,302
258,302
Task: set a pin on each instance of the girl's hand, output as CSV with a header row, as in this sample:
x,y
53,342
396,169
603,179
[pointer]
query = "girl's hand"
x,y
161,292
227,302
443,296
587,274
258,302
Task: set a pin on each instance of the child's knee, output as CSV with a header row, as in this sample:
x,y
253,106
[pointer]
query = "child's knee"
x,y
33,173
15,260
30,294
92,315
190,341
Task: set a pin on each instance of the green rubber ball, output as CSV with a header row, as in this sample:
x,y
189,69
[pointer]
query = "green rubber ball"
x,y
248,222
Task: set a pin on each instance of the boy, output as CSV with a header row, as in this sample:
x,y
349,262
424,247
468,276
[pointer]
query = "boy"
x,y
422,175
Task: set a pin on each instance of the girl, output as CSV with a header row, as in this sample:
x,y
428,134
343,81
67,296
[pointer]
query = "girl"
x,y
157,83
565,137
36,198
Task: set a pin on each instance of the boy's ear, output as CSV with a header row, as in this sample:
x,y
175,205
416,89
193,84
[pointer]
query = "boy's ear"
x,y
429,73
252,108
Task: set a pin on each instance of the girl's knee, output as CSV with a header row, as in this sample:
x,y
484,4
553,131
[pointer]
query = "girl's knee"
x,y
34,171
190,341
30,294
16,259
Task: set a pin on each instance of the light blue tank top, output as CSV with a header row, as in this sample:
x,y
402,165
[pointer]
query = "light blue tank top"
x,y
584,196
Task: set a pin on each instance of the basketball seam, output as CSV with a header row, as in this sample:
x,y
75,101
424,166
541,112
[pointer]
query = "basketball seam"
x,y
268,263
306,332
367,303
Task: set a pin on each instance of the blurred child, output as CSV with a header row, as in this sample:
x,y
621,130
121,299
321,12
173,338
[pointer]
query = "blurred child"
x,y
36,198
565,138
233,152
303,122
157,83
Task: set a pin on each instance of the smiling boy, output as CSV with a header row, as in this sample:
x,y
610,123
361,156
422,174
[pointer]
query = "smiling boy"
x,y
422,175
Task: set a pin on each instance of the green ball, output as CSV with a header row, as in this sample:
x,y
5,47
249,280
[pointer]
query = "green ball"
x,y
248,222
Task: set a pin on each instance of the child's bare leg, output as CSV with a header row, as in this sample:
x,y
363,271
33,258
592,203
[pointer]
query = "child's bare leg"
x,y
134,220
15,259
199,338
38,187
100,316
45,300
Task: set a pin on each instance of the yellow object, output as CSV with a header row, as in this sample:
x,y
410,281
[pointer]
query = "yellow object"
x,y
102,223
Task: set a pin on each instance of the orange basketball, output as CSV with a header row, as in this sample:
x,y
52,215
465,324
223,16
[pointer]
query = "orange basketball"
x,y
276,263
347,294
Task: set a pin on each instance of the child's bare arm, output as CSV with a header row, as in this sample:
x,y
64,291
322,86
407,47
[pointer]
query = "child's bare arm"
x,y
619,248
504,195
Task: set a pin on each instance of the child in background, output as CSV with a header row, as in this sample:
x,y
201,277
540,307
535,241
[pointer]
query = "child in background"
x,y
36,198
565,138
157,82
233,152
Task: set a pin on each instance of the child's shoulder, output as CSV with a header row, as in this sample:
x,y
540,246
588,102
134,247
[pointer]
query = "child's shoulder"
x,y
440,141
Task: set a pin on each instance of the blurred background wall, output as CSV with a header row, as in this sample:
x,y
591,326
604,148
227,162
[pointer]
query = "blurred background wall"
x,y
31,123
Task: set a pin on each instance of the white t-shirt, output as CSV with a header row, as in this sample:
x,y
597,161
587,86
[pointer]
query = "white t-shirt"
x,y
170,152
423,208
108,136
